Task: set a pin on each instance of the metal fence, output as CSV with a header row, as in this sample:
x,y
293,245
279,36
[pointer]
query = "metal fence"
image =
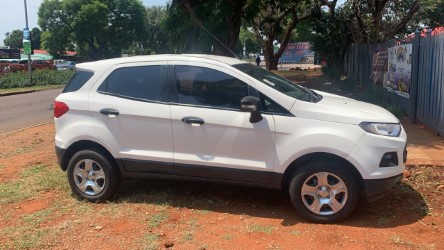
x,y
430,82
426,101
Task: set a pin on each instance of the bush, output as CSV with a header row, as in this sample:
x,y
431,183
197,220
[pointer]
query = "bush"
x,y
39,78
331,73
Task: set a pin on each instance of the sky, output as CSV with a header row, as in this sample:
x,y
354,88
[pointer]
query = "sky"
x,y
12,16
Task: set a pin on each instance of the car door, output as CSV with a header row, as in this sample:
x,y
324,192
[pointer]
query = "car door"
x,y
132,115
212,138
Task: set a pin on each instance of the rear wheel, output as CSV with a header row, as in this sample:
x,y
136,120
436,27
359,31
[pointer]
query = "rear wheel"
x,y
324,192
92,176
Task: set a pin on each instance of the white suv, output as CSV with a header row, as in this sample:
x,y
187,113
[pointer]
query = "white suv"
x,y
203,117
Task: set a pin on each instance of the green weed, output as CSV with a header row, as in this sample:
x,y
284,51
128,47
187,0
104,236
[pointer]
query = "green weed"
x,y
256,228
156,219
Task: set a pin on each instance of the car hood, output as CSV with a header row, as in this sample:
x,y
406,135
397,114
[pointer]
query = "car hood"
x,y
341,109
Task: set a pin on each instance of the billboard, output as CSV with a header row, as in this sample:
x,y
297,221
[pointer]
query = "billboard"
x,y
297,53
400,69
9,54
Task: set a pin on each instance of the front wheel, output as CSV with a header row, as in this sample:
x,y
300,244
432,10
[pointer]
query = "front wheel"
x,y
324,192
93,176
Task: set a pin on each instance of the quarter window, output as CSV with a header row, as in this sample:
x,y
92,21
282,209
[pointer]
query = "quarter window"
x,y
208,87
142,82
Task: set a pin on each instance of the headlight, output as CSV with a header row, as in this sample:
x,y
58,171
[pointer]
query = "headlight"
x,y
387,129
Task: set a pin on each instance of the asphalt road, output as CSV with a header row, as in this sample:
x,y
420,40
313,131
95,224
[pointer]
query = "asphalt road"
x,y
24,110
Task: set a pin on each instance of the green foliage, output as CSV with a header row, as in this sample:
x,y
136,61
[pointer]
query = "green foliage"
x,y
276,20
35,38
155,36
39,78
329,36
331,73
374,21
14,39
98,28
189,21
249,39
432,13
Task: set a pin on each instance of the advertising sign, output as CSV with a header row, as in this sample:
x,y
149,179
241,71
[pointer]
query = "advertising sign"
x,y
9,54
27,42
297,53
400,69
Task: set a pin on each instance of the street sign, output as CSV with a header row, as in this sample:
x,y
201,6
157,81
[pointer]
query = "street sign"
x,y
27,47
27,41
26,34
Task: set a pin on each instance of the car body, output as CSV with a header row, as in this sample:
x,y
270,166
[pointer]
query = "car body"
x,y
202,117
66,65
35,64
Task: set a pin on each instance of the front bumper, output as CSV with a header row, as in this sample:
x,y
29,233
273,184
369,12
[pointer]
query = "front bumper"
x,y
376,188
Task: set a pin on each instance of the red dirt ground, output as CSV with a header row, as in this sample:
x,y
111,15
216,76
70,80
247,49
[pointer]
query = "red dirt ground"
x,y
152,214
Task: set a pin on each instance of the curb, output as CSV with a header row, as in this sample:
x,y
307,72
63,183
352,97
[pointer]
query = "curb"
x,y
17,93
28,127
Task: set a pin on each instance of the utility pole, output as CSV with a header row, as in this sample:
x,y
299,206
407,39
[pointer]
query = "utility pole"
x,y
27,43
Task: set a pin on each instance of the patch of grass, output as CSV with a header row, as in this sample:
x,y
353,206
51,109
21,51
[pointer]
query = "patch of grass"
x,y
296,233
256,228
149,241
155,220
188,236
396,239
194,223
38,217
227,237
33,180
202,211
31,239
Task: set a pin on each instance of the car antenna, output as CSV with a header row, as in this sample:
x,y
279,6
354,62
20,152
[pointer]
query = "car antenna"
x,y
213,36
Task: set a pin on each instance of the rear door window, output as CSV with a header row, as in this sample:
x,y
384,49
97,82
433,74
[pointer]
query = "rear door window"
x,y
139,82
77,81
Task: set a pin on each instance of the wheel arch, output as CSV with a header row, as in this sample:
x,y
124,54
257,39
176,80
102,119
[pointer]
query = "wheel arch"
x,y
301,161
87,145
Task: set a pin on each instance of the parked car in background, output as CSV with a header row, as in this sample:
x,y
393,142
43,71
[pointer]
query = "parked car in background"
x,y
202,117
35,64
67,65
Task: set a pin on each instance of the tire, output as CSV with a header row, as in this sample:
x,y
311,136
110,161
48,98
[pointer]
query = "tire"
x,y
93,176
331,192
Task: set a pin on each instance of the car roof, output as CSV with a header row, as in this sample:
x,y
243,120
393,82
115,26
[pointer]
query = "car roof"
x,y
160,57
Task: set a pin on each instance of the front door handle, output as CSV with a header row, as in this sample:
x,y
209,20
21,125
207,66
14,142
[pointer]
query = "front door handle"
x,y
194,121
109,112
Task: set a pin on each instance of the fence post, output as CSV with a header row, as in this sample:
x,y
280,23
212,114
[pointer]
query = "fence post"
x,y
416,47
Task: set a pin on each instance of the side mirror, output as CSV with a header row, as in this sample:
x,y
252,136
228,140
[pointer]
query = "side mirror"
x,y
251,104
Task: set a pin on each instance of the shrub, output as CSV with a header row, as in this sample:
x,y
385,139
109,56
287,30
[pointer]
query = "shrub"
x,y
39,78
331,73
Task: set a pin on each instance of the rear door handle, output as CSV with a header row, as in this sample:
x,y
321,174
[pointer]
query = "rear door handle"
x,y
194,121
109,112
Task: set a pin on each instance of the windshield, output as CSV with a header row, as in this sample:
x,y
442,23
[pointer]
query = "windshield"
x,y
279,83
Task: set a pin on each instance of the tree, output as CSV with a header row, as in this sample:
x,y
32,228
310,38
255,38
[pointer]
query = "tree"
x,y
432,13
248,39
98,28
157,36
199,25
35,38
374,21
14,39
275,20
328,32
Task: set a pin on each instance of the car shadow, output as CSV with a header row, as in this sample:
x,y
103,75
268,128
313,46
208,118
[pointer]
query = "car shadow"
x,y
402,205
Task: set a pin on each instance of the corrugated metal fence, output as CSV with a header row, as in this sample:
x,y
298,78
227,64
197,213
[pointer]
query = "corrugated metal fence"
x,y
430,82
426,102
